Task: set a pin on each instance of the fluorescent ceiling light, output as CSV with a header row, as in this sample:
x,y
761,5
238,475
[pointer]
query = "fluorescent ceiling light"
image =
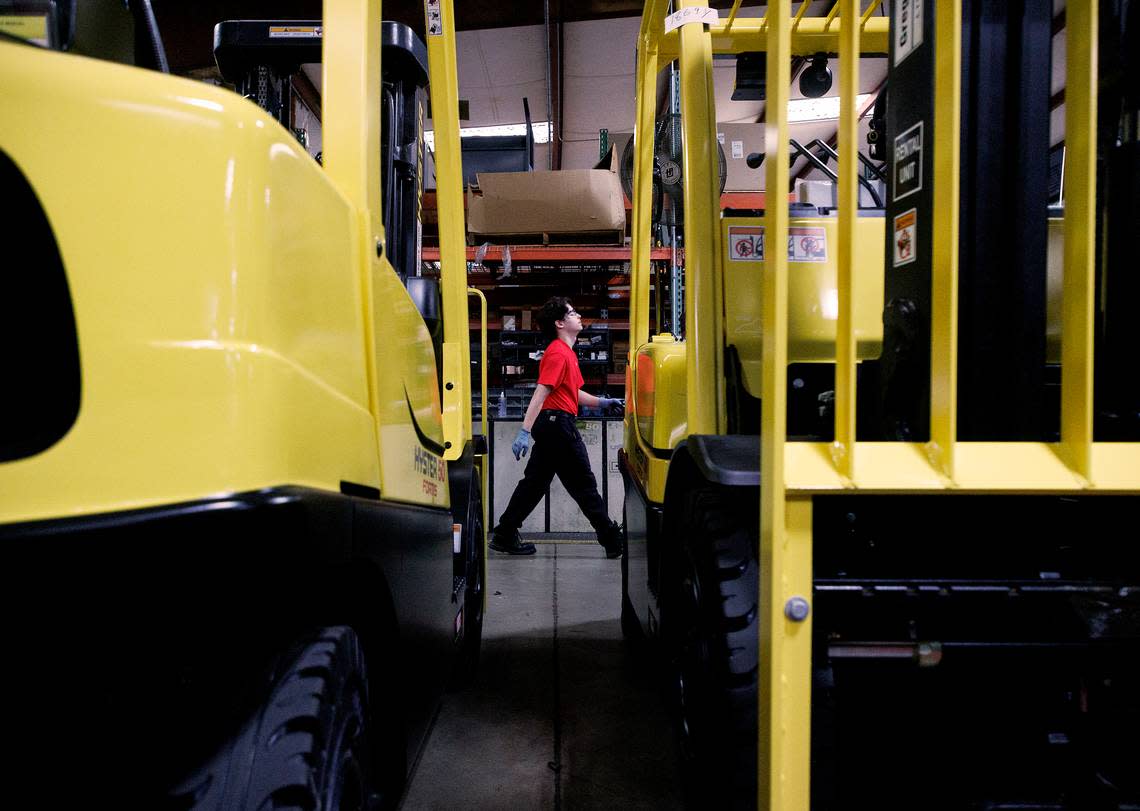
x,y
800,110
541,132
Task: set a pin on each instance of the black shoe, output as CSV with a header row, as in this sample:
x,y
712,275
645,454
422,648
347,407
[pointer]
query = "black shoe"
x,y
611,540
510,541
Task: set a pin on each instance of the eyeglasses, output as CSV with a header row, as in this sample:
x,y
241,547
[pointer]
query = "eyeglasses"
x,y
573,312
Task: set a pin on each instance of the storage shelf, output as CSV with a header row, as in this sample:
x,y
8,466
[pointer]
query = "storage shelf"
x,y
522,254
587,323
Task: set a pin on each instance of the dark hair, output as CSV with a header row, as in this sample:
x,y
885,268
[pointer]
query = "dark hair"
x,y
554,309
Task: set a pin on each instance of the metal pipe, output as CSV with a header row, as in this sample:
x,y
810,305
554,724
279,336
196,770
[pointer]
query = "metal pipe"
x,y
870,10
732,14
474,291
549,89
800,13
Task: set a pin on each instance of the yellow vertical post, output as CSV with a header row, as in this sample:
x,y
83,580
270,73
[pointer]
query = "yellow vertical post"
x,y
351,105
1080,221
452,236
843,449
785,528
652,21
944,247
703,280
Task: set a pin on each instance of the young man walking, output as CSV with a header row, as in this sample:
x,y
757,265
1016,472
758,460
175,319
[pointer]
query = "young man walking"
x,y
558,448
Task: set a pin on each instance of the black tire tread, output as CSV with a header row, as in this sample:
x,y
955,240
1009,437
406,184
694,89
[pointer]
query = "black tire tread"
x,y
720,539
279,759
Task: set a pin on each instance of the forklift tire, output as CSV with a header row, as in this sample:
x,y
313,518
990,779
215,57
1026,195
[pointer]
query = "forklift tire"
x,y
308,746
475,552
710,628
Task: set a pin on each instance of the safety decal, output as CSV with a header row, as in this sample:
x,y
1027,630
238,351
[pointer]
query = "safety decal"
x,y
434,20
294,31
805,243
908,162
745,243
907,26
905,240
694,14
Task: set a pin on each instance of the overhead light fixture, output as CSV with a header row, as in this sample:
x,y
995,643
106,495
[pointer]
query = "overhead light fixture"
x,y
801,110
815,79
541,132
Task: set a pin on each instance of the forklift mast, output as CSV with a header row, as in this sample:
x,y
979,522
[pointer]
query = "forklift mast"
x,y
920,599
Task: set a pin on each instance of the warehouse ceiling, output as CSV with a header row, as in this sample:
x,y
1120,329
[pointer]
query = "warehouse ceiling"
x,y
503,53
187,28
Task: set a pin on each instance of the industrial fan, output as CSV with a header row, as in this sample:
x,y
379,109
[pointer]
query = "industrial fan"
x,y
667,168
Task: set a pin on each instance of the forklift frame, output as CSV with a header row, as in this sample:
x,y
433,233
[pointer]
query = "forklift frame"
x,y
793,472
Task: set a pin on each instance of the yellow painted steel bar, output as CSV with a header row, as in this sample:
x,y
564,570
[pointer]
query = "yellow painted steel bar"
x,y
944,247
704,305
800,14
732,14
351,102
832,14
789,775
811,35
870,10
652,22
1080,220
474,291
843,448
484,473
785,558
452,235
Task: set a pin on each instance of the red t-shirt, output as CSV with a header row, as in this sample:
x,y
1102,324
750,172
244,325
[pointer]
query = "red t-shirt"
x,y
559,370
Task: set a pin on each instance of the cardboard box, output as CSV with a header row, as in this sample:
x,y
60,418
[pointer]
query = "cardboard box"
x,y
563,202
817,192
739,141
618,140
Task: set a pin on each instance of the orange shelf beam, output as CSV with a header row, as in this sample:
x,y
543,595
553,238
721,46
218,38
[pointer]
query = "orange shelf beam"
x,y
521,254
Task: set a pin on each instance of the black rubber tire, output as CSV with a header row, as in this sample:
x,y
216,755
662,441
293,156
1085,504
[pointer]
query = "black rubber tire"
x,y
474,546
711,636
309,745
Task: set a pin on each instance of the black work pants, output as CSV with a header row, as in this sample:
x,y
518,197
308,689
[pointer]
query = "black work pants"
x,y
558,450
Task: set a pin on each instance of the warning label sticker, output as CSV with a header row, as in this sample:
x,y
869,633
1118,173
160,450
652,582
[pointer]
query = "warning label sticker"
x,y
745,243
434,21
908,162
906,237
907,26
294,31
805,243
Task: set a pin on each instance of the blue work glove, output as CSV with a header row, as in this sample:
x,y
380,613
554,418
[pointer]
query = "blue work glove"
x,y
521,443
611,405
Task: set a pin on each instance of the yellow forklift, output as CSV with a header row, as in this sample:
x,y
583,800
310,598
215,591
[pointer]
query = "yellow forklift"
x,y
242,505
879,532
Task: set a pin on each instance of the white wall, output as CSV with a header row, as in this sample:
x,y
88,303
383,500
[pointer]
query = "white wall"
x,y
598,63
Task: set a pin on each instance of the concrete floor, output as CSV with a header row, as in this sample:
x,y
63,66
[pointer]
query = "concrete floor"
x,y
559,716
